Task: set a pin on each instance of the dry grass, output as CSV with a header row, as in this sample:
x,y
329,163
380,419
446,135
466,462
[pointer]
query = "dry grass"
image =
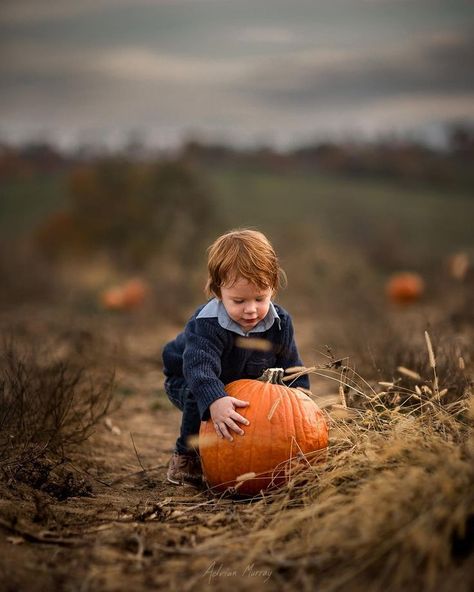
x,y
47,406
392,508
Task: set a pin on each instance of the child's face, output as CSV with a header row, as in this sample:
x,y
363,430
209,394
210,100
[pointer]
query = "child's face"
x,y
245,303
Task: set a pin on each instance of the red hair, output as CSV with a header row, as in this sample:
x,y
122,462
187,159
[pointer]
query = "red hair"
x,y
243,253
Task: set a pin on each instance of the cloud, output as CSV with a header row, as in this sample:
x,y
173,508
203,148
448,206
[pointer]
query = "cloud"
x,y
26,12
437,64
268,35
35,62
132,63
75,88
238,69
409,110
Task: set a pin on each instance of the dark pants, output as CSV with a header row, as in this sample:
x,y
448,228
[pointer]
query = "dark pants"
x,y
182,398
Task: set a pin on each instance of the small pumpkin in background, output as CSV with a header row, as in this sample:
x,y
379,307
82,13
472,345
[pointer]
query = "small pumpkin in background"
x,y
405,287
286,429
112,299
127,296
134,293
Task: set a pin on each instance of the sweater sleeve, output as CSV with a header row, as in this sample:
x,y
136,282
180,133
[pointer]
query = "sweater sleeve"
x,y
202,363
289,355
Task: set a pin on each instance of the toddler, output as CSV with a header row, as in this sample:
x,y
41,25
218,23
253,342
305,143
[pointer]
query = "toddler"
x,y
243,276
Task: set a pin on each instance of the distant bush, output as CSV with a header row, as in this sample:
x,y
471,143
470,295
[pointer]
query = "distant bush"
x,y
397,159
133,212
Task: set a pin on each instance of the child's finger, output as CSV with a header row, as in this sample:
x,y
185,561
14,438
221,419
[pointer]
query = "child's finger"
x,y
237,417
225,432
233,426
239,402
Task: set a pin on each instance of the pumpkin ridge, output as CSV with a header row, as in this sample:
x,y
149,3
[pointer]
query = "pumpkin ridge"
x,y
294,435
272,426
227,468
254,433
282,412
303,428
272,429
242,388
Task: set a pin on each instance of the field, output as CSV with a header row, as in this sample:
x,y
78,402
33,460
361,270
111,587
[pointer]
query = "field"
x,y
347,211
332,208
84,501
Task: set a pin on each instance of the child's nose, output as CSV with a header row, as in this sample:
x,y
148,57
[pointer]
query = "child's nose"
x,y
250,307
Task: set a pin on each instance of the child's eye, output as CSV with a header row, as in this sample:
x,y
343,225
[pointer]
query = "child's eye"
x,y
238,301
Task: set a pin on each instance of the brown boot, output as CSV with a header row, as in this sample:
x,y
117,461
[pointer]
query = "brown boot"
x,y
185,468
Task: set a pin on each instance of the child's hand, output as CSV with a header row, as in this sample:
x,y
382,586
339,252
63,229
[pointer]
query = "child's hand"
x,y
224,416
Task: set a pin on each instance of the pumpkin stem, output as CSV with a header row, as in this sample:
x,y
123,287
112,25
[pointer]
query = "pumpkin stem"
x,y
273,376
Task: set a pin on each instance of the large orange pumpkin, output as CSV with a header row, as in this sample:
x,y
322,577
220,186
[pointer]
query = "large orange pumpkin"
x,y
405,287
286,429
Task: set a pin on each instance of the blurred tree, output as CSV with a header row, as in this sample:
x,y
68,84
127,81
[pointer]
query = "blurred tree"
x,y
461,140
183,212
134,212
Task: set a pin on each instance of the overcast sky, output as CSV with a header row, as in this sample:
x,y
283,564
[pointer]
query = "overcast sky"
x,y
245,71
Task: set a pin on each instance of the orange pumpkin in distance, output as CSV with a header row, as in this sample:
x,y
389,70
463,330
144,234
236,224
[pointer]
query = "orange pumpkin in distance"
x,y
405,287
112,299
285,424
134,293
127,296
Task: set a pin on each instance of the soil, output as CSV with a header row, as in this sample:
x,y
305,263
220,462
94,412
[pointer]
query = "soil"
x,y
105,518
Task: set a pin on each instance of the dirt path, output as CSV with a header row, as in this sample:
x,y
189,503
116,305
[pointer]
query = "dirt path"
x,y
134,531
106,540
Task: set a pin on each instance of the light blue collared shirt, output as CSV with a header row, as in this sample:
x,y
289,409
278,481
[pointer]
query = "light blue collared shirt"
x,y
214,308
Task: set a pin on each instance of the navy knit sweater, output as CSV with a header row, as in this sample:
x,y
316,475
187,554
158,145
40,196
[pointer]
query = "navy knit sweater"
x,y
208,358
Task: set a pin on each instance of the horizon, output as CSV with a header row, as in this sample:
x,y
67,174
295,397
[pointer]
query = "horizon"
x,y
441,143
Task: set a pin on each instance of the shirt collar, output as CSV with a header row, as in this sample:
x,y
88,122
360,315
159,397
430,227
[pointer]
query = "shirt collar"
x,y
215,309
